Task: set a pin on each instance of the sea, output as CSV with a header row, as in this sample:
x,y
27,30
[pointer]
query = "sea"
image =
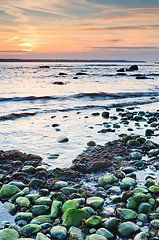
x,y
39,102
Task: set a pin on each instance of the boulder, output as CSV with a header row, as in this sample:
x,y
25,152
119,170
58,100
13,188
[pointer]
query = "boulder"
x,y
59,233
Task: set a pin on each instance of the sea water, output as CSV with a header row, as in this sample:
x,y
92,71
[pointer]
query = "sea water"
x,y
33,98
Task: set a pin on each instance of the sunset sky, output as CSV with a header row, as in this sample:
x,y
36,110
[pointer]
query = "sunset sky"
x,y
80,29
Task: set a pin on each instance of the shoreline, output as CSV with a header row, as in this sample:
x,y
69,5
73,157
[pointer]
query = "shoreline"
x,y
38,195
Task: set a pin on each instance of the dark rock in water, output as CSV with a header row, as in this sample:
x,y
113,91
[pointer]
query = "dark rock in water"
x,y
105,114
62,139
95,114
133,68
75,77
44,67
55,125
58,83
81,73
121,74
141,77
62,74
149,132
120,70
91,144
118,109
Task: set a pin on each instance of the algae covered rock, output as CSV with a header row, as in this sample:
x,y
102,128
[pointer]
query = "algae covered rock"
x,y
59,233
93,222
23,202
55,208
43,201
76,234
8,234
10,207
70,204
8,190
41,236
144,208
154,189
126,229
39,209
41,219
95,202
27,216
31,229
127,182
96,237
107,179
73,217
126,214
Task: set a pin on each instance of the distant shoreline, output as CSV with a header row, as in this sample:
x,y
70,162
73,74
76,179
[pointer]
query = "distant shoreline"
x,y
66,60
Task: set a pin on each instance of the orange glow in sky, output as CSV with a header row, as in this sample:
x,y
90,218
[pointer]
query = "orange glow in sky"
x,y
87,29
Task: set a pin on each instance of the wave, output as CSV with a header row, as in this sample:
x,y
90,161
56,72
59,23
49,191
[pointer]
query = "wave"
x,y
15,116
96,95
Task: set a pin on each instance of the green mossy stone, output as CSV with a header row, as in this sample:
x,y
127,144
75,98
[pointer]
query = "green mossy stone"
x,y
126,214
74,217
96,237
136,155
70,204
144,208
104,232
132,204
141,236
55,208
7,191
93,222
31,229
127,182
68,190
35,183
8,234
140,197
43,201
154,189
107,179
32,197
59,233
41,236
10,207
112,223
140,190
95,202
155,223
76,234
23,202
90,211
39,209
41,219
28,169
20,194
126,229
27,216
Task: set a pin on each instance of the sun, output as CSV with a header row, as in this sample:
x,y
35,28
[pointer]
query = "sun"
x,y
27,46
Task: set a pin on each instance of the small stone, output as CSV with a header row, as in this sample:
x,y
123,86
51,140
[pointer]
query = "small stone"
x,y
144,208
96,237
126,229
76,234
41,236
127,182
7,191
149,132
43,201
23,202
105,114
93,222
111,224
59,233
155,223
55,208
39,209
141,236
104,232
74,217
95,202
68,190
60,184
35,183
154,189
8,234
31,229
62,139
136,155
28,169
91,144
126,214
27,216
10,207
107,179
41,219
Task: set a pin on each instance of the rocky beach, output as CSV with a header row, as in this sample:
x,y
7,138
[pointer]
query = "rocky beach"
x,y
110,191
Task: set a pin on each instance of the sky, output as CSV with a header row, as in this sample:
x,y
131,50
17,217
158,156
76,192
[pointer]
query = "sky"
x,y
80,29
